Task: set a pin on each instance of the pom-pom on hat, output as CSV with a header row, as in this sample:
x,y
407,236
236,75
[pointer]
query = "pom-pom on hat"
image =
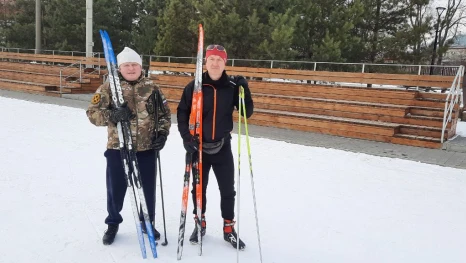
x,y
128,55
217,50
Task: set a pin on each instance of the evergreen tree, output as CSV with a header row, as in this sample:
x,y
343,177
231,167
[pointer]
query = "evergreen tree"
x,y
145,37
278,46
234,24
108,19
177,34
19,31
382,19
64,25
325,25
408,44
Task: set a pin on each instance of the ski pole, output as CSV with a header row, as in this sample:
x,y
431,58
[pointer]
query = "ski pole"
x,y
157,163
238,186
250,170
163,203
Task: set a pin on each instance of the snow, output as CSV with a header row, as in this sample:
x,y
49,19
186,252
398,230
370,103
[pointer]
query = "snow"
x,y
461,129
314,204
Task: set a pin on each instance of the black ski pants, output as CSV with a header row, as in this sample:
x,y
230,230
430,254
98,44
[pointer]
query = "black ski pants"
x,y
223,166
116,183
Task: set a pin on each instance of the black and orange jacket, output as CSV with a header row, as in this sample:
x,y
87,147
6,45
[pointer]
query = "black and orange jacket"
x,y
220,98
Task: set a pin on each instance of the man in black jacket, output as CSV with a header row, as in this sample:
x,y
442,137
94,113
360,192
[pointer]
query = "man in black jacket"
x,y
220,98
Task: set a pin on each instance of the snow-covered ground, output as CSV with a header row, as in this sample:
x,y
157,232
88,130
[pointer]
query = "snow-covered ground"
x,y
314,204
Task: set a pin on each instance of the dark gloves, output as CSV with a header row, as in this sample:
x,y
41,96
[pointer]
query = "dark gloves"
x,y
241,81
159,142
123,113
191,145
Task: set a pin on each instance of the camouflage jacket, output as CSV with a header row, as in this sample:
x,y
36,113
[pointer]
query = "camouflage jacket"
x,y
142,102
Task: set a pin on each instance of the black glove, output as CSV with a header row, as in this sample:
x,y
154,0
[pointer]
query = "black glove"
x,y
243,82
159,142
123,113
192,145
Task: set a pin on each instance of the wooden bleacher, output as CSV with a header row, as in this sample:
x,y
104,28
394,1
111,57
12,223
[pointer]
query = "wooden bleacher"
x,y
47,58
40,74
396,115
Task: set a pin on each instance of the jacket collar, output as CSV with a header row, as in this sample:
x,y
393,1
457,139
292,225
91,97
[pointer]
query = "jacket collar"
x,y
221,82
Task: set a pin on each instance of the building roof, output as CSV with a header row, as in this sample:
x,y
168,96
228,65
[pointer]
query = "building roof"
x,y
460,41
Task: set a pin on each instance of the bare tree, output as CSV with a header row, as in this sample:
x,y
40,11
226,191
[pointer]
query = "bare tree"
x,y
455,17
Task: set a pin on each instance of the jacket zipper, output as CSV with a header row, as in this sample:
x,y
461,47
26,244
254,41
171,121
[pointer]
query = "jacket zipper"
x,y
214,121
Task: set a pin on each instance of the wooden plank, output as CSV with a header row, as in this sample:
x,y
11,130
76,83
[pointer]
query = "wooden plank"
x,y
39,68
432,112
274,72
313,89
6,71
277,87
27,88
354,75
333,109
337,132
429,104
53,58
175,92
176,69
167,64
17,86
355,115
306,89
44,79
420,131
326,129
334,105
416,142
372,78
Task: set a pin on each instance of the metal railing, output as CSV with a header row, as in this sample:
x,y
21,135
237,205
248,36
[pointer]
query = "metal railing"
x,y
454,95
324,66
63,78
292,64
303,65
79,61
41,51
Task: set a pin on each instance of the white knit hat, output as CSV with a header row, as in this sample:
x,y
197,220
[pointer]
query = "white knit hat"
x,y
128,55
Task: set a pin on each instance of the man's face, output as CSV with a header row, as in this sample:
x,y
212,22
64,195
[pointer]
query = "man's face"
x,y
215,66
130,71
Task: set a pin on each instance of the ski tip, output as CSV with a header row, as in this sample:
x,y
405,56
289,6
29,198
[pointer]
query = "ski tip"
x,y
200,44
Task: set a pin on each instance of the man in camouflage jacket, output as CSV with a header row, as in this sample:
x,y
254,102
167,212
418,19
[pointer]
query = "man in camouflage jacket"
x,y
143,99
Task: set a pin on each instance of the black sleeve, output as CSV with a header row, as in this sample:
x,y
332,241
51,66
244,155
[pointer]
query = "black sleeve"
x,y
184,110
241,81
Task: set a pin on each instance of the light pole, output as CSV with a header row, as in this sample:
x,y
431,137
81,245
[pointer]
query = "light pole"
x,y
434,52
38,27
89,40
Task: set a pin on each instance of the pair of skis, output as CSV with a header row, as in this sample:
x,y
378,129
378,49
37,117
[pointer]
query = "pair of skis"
x,y
128,153
194,161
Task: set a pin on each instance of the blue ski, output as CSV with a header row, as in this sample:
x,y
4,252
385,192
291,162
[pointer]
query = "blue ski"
x,y
128,154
